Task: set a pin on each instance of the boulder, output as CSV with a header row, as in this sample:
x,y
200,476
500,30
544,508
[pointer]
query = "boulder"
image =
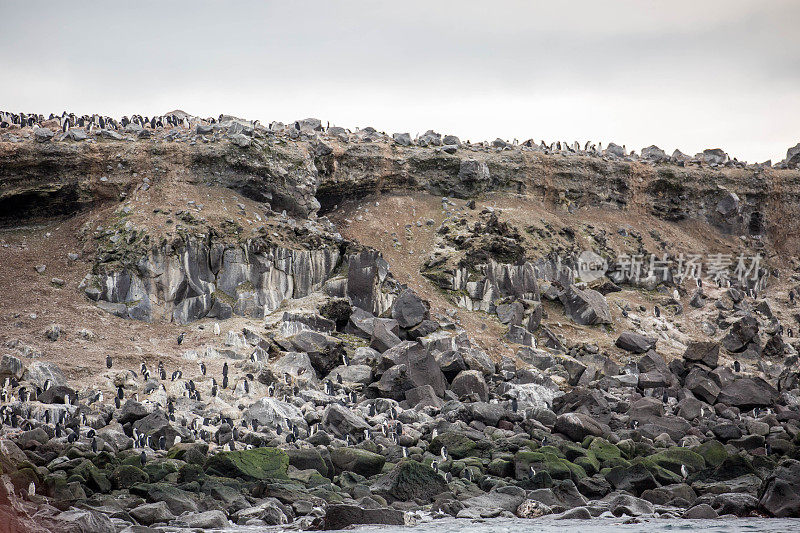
x,y
473,177
781,490
470,382
585,306
361,462
706,352
152,513
57,394
410,481
409,309
40,371
635,478
341,421
342,516
11,367
384,336
80,521
325,352
634,342
748,393
741,333
253,465
206,521
577,426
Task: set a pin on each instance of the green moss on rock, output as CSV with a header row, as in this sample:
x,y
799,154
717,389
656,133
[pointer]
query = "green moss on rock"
x,y
255,464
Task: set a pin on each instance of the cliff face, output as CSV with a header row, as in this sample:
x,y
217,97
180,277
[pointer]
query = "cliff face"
x,y
205,261
306,177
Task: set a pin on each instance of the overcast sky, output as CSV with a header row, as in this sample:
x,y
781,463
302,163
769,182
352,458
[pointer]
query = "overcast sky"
x,y
679,74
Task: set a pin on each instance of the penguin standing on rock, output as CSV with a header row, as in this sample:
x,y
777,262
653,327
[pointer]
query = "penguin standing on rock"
x,y
109,362
180,337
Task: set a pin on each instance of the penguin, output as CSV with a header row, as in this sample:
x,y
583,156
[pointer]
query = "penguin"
x,y
531,472
767,448
117,403
180,337
443,453
162,443
109,362
203,368
225,369
737,367
120,393
225,381
94,445
246,387
143,458
657,311
31,489
514,405
216,328
684,472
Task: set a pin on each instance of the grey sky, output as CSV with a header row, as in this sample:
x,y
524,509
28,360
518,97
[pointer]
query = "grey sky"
x,y
679,74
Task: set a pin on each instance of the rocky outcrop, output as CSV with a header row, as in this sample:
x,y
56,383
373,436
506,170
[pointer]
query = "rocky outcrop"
x,y
193,279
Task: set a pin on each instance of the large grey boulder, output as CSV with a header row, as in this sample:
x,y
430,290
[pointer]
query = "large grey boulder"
x,y
342,516
403,139
634,342
324,351
654,153
80,521
577,426
272,412
40,371
296,364
43,135
409,309
716,156
152,513
470,382
341,421
409,481
741,334
11,367
748,393
706,352
781,494
585,306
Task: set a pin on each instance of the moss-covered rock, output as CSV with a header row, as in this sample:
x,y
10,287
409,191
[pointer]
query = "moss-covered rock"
x,y
557,467
410,480
307,458
673,458
589,463
458,445
501,467
125,476
191,452
254,464
603,450
190,472
732,467
357,460
713,452
158,470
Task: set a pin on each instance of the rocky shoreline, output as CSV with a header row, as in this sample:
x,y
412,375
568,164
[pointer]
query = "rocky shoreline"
x,y
347,401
